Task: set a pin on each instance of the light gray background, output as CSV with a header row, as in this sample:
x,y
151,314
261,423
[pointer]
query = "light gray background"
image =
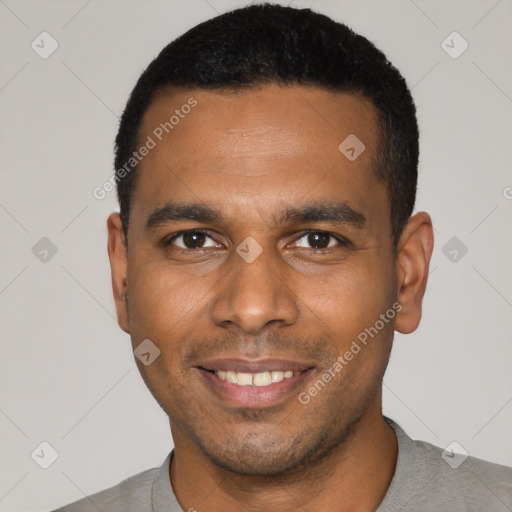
x,y
68,376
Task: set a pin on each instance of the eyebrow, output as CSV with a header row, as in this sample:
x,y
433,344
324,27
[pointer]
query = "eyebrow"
x,y
334,213
175,212
331,212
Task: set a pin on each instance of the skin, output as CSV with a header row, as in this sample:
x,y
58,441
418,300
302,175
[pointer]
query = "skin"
x,y
251,155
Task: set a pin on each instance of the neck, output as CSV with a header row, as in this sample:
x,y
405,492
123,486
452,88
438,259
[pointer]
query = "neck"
x,y
354,476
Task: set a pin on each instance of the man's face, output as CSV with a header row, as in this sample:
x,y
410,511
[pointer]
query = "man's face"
x,y
314,268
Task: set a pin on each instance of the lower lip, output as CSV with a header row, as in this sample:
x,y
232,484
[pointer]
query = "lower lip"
x,y
253,396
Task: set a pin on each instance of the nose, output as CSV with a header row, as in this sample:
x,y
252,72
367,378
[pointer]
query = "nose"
x,y
254,295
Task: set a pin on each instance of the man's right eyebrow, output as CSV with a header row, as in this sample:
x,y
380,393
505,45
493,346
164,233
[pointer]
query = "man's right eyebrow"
x,y
175,212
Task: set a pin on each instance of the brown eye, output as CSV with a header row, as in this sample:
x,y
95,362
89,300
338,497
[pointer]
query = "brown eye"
x,y
195,239
318,240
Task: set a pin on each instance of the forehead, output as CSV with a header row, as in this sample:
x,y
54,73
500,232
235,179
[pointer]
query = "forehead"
x,y
275,145
270,120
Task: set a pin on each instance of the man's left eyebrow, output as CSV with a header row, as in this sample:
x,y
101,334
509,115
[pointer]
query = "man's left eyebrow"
x,y
334,213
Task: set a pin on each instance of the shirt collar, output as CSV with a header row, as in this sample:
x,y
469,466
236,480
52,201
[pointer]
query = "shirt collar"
x,y
411,472
163,497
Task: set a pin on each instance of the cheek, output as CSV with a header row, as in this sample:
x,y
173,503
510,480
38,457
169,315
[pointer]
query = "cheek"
x,y
163,301
350,298
165,307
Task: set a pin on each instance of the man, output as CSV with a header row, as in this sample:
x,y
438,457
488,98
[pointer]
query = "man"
x,y
264,255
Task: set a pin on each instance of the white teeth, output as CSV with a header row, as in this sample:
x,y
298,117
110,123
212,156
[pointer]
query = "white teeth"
x,y
244,379
254,379
277,376
262,379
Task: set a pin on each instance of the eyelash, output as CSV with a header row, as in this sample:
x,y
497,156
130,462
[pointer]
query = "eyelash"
x,y
341,241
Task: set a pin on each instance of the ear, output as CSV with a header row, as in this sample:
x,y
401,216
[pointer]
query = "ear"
x,y
118,257
412,264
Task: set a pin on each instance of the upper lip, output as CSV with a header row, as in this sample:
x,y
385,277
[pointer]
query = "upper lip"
x,y
253,365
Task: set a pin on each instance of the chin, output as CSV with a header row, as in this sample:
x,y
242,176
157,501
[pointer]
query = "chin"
x,y
254,456
255,463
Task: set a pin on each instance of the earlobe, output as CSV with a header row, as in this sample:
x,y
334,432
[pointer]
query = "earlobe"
x,y
412,265
118,265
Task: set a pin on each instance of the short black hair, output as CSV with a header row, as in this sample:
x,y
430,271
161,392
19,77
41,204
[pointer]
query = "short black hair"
x,y
266,44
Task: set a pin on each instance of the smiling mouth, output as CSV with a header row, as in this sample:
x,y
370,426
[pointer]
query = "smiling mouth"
x,y
253,385
260,379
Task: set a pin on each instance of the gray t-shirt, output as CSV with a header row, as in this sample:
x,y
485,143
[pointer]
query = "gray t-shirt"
x,y
423,482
